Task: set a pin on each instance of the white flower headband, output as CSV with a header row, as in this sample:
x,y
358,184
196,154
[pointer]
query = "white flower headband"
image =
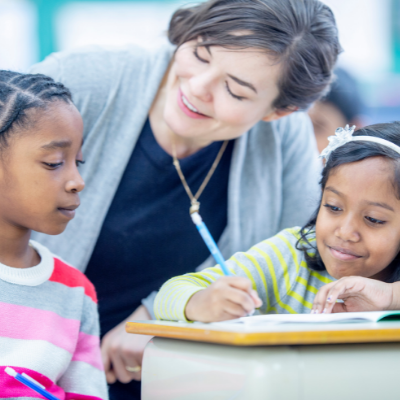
x,y
345,135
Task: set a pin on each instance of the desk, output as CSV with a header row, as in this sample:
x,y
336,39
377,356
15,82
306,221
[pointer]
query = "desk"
x,y
296,362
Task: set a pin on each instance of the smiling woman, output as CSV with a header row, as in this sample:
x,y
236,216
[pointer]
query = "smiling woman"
x,y
236,72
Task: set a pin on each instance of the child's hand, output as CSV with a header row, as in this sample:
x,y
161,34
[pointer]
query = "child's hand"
x,y
226,298
357,293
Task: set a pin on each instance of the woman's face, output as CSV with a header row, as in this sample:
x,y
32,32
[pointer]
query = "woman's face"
x,y
216,93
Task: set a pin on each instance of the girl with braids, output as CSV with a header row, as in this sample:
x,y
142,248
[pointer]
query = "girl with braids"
x,y
221,98
349,250
48,314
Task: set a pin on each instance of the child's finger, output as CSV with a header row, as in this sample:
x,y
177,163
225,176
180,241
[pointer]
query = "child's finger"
x,y
234,310
245,285
257,301
239,282
241,298
320,299
331,292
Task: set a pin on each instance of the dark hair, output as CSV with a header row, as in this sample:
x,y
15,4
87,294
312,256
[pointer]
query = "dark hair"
x,y
344,94
349,153
301,34
22,92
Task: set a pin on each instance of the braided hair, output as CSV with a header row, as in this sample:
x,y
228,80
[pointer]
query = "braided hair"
x,y
22,92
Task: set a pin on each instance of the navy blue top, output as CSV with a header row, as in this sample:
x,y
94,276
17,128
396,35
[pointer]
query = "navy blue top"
x,y
148,236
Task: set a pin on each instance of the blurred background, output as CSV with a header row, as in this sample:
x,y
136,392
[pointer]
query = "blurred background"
x,y
369,33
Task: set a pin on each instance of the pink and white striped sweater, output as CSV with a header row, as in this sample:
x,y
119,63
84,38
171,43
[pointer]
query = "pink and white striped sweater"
x,y
49,329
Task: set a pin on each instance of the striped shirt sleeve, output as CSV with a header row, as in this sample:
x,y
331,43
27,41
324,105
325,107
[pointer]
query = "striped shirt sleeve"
x,y
272,266
84,379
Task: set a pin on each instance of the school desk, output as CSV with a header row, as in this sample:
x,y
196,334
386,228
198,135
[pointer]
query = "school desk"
x,y
291,361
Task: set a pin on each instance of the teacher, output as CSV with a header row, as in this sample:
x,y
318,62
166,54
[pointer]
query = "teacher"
x,y
220,102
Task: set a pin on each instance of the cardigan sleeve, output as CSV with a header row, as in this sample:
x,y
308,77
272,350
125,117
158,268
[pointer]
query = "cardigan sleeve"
x,y
95,76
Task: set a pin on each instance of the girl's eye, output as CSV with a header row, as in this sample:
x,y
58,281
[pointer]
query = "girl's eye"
x,y
52,166
375,221
196,53
332,208
233,95
79,162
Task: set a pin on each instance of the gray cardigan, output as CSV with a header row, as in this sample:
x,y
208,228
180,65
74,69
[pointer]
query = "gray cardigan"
x,y
273,182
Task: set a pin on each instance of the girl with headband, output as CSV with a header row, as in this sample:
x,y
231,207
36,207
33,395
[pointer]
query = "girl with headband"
x,y
349,250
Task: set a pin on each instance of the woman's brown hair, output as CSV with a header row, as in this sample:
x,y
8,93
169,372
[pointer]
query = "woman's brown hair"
x,y
301,35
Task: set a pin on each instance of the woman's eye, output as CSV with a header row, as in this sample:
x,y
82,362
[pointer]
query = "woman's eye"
x,y
53,166
234,95
79,162
375,221
332,208
196,53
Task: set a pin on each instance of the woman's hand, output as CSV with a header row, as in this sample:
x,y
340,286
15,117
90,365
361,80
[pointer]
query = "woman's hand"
x,y
358,294
120,349
226,298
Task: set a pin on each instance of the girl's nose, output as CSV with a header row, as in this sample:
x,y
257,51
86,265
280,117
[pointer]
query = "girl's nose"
x,y
76,184
347,231
200,86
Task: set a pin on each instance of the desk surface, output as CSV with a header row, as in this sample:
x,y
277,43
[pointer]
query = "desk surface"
x,y
283,334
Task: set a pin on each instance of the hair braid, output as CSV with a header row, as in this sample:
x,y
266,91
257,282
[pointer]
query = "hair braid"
x,y
21,92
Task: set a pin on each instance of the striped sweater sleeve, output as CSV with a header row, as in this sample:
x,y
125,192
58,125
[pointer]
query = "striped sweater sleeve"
x,y
272,266
84,379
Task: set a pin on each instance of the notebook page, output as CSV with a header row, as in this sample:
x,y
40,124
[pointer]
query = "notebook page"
x,y
350,317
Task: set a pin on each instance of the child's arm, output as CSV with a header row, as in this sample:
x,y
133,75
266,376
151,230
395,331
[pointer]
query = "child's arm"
x,y
84,378
269,269
358,294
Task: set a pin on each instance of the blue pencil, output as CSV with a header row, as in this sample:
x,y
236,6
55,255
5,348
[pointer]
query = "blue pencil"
x,y
31,383
210,242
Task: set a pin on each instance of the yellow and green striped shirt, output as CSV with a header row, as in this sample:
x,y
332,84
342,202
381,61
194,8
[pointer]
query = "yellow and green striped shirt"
x,y
276,269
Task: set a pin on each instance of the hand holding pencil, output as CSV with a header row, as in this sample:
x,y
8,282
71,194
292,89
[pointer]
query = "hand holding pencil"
x,y
227,298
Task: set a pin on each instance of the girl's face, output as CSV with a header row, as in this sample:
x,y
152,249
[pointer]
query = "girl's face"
x,y
39,178
214,93
358,224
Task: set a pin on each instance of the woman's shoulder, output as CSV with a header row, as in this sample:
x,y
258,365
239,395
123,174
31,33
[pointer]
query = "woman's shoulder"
x,y
94,66
288,126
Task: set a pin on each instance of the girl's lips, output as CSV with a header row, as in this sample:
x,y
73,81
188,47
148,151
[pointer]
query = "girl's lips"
x,y
186,110
68,212
343,254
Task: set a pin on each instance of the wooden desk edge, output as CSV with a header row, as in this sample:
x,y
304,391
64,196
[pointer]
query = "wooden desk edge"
x,y
266,338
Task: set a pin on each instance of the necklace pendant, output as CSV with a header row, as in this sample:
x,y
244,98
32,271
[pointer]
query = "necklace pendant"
x,y
195,207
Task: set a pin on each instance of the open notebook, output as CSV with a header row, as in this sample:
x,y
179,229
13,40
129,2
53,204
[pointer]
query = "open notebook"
x,y
373,316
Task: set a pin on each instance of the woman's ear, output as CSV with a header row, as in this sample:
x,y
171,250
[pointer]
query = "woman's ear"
x,y
276,114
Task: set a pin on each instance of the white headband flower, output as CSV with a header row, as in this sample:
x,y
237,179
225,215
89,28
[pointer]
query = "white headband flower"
x,y
342,136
